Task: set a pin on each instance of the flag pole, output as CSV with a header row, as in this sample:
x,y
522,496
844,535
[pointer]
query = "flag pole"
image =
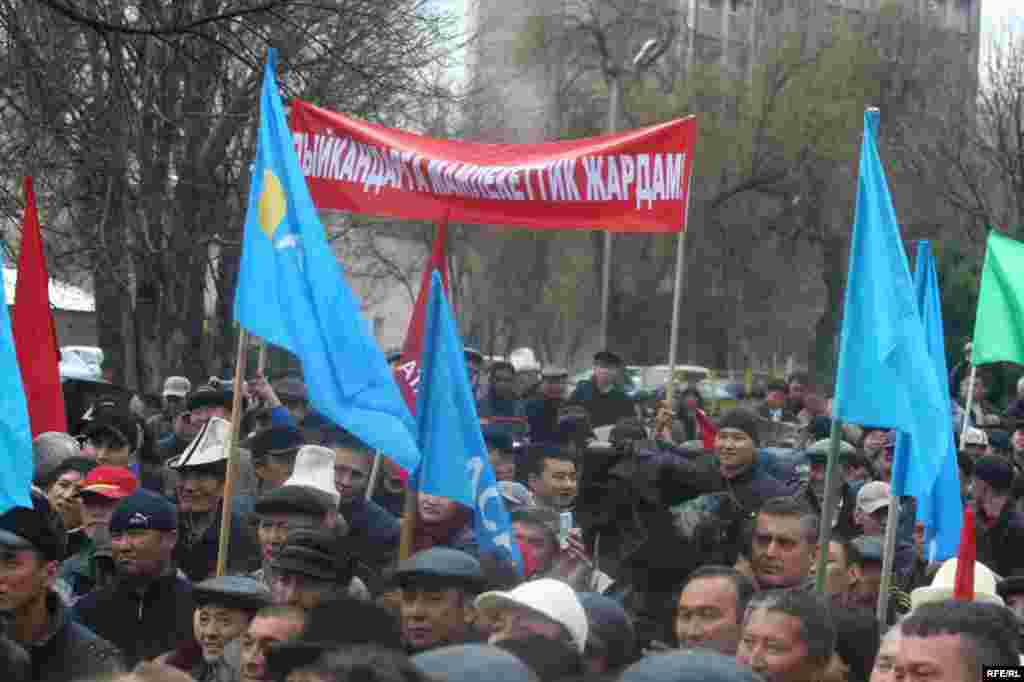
x,y
673,339
261,364
374,475
232,448
410,515
825,529
888,556
969,404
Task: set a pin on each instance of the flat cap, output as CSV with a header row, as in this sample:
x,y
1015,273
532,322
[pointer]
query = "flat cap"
x,y
868,547
233,591
440,564
294,499
277,440
818,452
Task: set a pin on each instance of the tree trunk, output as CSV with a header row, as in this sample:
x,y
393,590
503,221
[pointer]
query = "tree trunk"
x,y
824,347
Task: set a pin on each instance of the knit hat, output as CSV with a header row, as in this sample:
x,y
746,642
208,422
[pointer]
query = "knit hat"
x,y
995,471
742,420
317,553
144,510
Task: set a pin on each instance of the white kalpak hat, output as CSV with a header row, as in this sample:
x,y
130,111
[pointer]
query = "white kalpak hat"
x,y
314,468
550,598
943,584
208,447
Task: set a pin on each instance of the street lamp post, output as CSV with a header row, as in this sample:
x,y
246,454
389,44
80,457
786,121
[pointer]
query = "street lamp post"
x,y
641,61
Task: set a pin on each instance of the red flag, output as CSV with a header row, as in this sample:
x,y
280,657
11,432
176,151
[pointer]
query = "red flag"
x,y
708,430
963,587
408,371
35,336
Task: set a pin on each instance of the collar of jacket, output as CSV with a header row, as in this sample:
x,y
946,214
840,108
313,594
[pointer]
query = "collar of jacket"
x,y
58,618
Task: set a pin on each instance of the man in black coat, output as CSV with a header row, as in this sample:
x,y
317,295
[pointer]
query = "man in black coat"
x,y
845,499
148,610
1000,529
59,650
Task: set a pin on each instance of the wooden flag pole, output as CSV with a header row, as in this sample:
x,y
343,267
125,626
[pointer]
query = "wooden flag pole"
x,y
374,475
887,559
232,447
825,529
673,339
410,518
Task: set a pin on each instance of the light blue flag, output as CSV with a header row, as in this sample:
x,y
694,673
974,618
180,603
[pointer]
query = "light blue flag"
x,y
455,462
886,375
15,432
291,292
941,512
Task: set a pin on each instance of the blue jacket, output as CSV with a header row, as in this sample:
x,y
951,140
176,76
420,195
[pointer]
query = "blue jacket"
x,y
199,561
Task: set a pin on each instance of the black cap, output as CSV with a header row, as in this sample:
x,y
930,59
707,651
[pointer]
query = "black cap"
x,y
607,357
497,436
232,591
440,565
317,553
363,623
995,471
209,396
277,440
295,499
124,425
38,528
1010,586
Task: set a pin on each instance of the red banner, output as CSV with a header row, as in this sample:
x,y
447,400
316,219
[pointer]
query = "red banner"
x,y
637,181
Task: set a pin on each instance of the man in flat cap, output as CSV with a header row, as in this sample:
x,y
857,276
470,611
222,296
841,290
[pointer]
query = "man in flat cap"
x,y
542,412
438,586
314,565
273,451
845,499
602,395
31,546
225,607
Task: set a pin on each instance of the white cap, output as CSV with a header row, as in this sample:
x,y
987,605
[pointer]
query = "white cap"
x,y
873,496
550,598
209,446
314,468
942,586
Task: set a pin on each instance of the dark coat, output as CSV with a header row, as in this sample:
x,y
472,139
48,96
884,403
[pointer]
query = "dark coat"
x,y
788,415
751,488
143,624
198,561
603,408
493,406
71,651
373,532
843,525
999,543
543,417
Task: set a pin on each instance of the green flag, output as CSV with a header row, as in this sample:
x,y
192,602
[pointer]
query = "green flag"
x,y
999,325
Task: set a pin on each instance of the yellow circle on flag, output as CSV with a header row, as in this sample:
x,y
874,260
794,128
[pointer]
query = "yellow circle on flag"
x,y
273,204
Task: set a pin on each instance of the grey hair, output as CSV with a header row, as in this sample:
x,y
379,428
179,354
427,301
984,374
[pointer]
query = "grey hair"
x,y
49,450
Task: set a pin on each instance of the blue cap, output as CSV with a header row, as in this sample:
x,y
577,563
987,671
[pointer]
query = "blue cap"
x,y
440,565
144,510
232,591
610,623
995,471
275,440
473,662
688,666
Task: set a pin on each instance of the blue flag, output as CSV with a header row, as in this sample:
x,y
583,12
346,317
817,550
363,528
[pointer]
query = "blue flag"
x,y
886,375
941,512
291,292
15,432
455,462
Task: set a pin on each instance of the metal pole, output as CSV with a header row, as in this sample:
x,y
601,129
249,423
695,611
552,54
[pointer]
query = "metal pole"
x,y
825,531
606,266
673,340
232,447
967,407
261,365
888,556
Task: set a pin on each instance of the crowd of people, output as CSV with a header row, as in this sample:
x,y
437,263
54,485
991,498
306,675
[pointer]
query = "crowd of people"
x,y
670,546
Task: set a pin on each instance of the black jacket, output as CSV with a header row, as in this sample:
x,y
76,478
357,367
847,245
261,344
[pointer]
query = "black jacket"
x,y
999,544
71,651
603,408
142,624
843,524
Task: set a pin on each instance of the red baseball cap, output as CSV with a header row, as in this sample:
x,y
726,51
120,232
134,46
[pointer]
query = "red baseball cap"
x,y
113,483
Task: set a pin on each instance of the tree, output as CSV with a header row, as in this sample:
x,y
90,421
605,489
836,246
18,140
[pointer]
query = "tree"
x,y
138,117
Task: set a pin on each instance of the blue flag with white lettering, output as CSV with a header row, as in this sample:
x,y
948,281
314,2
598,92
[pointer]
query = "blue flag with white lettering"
x,y
291,292
455,463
